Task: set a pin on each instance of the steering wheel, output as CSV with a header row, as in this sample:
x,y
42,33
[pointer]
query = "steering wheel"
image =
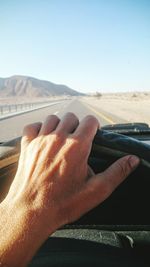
x,y
114,145
104,230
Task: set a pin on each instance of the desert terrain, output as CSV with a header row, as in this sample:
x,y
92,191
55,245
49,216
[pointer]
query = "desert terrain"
x,y
131,107
108,108
21,91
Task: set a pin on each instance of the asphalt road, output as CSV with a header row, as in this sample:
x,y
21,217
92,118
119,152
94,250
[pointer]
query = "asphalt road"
x,y
12,127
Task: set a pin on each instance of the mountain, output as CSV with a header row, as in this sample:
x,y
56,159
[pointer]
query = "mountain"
x,y
25,86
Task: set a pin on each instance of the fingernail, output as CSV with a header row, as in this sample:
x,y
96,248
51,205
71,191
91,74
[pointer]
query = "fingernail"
x,y
134,161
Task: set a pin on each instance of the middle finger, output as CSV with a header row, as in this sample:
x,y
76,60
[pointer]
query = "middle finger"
x,y
68,123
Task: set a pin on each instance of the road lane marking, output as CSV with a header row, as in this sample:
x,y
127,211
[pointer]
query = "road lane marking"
x,y
102,115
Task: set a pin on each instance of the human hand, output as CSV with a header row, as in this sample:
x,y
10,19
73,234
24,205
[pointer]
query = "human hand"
x,y
53,184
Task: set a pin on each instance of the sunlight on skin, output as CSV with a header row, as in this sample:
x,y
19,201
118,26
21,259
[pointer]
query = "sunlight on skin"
x,y
53,185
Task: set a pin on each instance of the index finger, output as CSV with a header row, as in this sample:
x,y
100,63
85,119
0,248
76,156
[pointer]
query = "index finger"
x,y
87,128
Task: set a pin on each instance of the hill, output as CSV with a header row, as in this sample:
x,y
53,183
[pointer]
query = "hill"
x,y
25,86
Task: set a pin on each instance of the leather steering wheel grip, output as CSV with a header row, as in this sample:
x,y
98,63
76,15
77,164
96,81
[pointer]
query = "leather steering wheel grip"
x,y
114,145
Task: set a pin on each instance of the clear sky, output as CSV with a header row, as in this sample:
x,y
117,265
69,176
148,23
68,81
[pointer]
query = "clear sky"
x,y
89,45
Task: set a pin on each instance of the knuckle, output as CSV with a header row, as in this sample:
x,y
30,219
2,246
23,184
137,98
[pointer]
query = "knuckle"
x,y
58,137
106,188
124,168
101,192
128,167
60,133
84,151
80,144
73,143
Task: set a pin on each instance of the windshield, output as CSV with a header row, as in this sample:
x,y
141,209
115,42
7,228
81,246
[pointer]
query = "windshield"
x,y
86,57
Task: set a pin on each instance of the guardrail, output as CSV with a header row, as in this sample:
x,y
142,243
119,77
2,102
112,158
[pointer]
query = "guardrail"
x,y
8,109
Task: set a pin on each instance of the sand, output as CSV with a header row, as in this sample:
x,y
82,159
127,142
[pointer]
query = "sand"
x,y
133,107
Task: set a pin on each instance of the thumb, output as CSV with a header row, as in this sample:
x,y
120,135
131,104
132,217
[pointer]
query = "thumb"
x,y
118,171
100,186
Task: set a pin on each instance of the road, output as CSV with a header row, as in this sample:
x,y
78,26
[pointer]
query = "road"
x,y
12,127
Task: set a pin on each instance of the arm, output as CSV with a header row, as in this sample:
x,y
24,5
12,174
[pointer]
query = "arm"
x,y
53,185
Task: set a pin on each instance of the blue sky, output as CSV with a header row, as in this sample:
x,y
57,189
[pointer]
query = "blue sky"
x,y
89,45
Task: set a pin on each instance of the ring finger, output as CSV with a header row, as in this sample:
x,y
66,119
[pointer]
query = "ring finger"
x,y
68,123
49,125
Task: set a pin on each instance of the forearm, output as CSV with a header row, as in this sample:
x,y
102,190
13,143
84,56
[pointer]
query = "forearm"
x,y
20,235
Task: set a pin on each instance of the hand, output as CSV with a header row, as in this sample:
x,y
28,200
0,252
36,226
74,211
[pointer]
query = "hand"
x,y
54,184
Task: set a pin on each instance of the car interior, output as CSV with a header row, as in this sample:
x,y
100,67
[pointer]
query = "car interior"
x,y
120,226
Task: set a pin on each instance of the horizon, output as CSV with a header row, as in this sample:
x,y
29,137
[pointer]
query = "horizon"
x,y
88,46
88,93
